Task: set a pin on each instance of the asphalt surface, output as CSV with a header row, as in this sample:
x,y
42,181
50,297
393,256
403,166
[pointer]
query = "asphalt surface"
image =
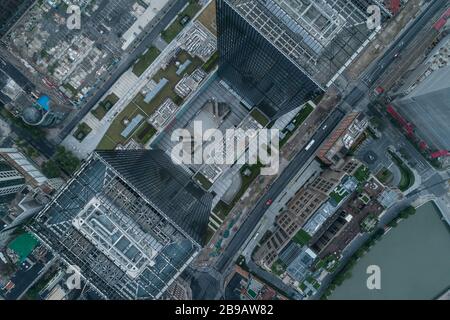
x,y
379,67
123,66
23,278
277,187
354,96
372,75
41,144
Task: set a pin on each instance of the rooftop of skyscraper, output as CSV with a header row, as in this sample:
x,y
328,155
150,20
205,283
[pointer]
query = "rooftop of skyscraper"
x,y
130,231
320,37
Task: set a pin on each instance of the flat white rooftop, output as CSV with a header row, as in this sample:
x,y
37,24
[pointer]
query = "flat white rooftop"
x,y
117,236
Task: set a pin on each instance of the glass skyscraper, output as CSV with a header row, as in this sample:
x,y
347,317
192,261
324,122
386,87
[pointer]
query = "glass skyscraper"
x,y
10,12
277,54
131,220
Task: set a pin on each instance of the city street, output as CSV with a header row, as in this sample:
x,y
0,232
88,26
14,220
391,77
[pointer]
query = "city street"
x,y
354,99
276,188
380,66
98,111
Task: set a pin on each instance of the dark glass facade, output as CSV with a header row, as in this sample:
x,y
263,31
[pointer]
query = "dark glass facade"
x,y
131,220
153,174
255,69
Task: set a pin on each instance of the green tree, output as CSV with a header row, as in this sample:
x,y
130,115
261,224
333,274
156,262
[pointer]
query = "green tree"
x,y
66,160
51,169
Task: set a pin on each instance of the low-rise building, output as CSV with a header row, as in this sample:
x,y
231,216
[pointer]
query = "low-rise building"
x,y
299,209
246,286
346,134
341,227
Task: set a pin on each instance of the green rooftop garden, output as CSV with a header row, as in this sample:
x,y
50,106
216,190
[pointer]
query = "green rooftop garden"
x,y
301,237
278,267
212,62
203,181
260,117
82,131
113,136
104,106
338,196
329,263
175,28
145,133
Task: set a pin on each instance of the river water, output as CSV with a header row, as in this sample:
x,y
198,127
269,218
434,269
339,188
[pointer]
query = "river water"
x,y
414,260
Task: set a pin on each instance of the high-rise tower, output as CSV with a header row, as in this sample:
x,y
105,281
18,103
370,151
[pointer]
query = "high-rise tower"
x,y
277,54
11,182
131,220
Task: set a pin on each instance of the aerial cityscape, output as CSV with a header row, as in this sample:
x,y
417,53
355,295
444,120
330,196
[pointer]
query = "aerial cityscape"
x,y
229,150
